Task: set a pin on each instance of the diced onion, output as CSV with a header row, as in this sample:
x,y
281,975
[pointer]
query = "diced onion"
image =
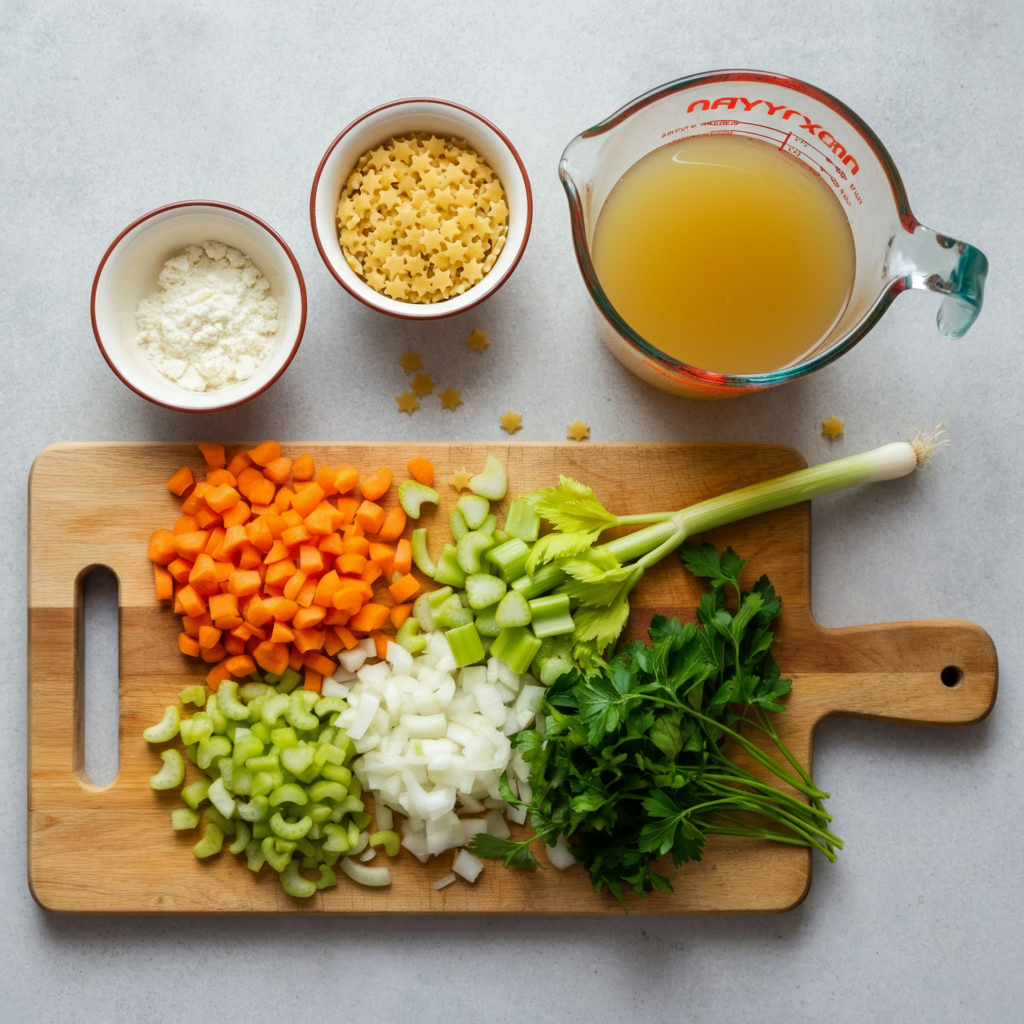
x,y
467,865
447,880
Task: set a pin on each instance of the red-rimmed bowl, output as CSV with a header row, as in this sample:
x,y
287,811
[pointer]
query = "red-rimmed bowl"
x,y
128,273
403,117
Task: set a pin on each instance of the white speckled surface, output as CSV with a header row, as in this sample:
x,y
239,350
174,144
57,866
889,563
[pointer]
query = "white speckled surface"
x,y
110,110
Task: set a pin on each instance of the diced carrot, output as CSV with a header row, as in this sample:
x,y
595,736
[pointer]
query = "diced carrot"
x,y
326,588
216,477
421,469
249,476
214,541
265,453
320,522
163,583
303,468
181,481
257,613
206,517
185,524
384,556
191,601
304,598
356,546
370,516
346,637
240,462
191,624
237,515
188,645
258,532
345,478
394,524
371,616
194,501
217,675
403,588
213,654
283,499
221,605
209,637
307,618
180,569
222,497
234,538
348,600
372,571
309,639
350,563
319,663
278,550
376,484
399,614
311,559
296,535
335,617
380,642
291,519
271,657
347,509
249,557
278,470
332,643
325,479
240,666
295,659
281,608
262,491
232,644
353,530
312,680
161,548
282,634
307,499
332,544
213,455
190,545
242,583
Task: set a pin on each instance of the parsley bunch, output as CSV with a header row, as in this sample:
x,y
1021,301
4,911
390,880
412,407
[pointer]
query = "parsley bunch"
x,y
631,762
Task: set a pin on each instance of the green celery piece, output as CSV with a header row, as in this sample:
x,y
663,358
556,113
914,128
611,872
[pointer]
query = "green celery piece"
x,y
221,798
328,752
486,624
465,644
243,836
166,729
172,774
254,707
421,553
471,547
553,659
274,708
217,717
265,782
289,680
319,813
551,615
316,830
228,703
546,578
409,636
291,830
277,859
483,590
327,790
311,774
250,691
193,695
298,715
264,762
241,783
304,846
422,612
261,828
195,729
362,818
389,839
492,483
261,731
284,738
516,646
457,524
337,838
327,877
245,748
513,610
211,748
350,805
411,496
325,705
436,598
211,843
294,884
449,572
522,521
490,525
289,793
256,808
254,857
195,793
353,834
337,773
452,613
509,559
327,732
225,824
192,752
184,818
474,509
226,768
271,679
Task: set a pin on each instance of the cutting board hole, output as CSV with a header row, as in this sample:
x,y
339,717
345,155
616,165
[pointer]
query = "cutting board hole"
x,y
951,675
99,702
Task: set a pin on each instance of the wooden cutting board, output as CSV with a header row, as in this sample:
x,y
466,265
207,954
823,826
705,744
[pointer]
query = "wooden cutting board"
x,y
111,849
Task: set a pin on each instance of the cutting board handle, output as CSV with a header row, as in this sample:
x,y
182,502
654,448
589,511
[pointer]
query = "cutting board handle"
x,y
941,672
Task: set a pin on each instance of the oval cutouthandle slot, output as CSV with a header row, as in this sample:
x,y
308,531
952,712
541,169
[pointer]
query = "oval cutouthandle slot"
x,y
97,686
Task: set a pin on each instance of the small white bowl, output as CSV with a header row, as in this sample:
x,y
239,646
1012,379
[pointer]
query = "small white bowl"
x,y
403,117
128,273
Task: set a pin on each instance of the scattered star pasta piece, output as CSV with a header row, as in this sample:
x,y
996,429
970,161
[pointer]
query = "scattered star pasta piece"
x,y
407,402
411,362
460,479
423,384
511,422
832,427
478,340
450,398
578,431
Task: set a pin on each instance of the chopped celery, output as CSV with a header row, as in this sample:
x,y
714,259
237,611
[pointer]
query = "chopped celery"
x,y
226,825
471,548
288,793
289,680
409,637
325,705
256,808
551,615
510,559
389,839
211,843
436,598
553,659
195,793
195,729
327,877
449,572
254,855
546,578
522,521
492,483
228,703
250,691
217,717
421,554
277,858
465,645
412,494
457,524
166,729
193,695
484,590
172,774
210,748
452,613
486,623
513,610
221,798
243,836
474,509
274,708
516,646
327,790
184,818
294,884
284,738
292,830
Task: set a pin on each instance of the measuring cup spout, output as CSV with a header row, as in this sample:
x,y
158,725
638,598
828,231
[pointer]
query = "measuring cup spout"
x,y
937,263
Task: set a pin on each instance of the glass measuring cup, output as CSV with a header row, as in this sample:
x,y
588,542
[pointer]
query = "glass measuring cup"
x,y
893,251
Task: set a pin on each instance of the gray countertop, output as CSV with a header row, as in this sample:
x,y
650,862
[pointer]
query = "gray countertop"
x,y
110,110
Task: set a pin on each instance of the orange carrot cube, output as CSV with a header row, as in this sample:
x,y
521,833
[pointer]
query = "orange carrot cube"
x,y
181,481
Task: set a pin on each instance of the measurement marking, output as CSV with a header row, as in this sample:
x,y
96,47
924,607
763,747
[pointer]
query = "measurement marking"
x,y
785,140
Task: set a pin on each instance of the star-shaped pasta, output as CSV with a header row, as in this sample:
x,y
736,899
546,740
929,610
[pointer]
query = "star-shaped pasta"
x,y
407,402
478,340
460,479
411,362
832,427
511,422
578,431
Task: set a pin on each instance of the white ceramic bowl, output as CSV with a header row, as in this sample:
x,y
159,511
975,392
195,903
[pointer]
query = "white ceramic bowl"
x,y
402,117
128,273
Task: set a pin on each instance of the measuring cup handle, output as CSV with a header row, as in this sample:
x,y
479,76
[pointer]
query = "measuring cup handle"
x,y
925,259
